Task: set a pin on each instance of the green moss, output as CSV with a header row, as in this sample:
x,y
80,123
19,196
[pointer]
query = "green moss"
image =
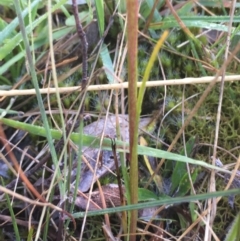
x,y
173,38
188,68
165,59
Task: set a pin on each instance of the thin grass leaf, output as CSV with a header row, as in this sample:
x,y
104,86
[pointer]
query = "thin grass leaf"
x,y
192,22
107,63
7,3
234,232
184,184
167,201
100,15
192,208
216,3
84,17
186,9
157,178
3,26
148,71
107,144
38,95
209,19
180,169
146,195
14,222
146,8
30,234
4,112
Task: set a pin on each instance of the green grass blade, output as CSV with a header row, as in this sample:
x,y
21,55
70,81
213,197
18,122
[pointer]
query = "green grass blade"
x,y
192,22
234,232
100,15
14,222
107,63
38,95
148,71
107,144
166,201
180,168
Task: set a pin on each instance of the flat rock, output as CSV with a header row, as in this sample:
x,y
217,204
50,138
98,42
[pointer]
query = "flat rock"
x,y
100,160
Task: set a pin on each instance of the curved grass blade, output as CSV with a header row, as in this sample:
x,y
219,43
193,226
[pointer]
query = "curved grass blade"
x,y
107,63
100,15
166,201
94,142
234,232
148,71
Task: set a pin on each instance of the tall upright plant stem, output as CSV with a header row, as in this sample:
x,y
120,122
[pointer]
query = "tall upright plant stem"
x,y
83,38
132,44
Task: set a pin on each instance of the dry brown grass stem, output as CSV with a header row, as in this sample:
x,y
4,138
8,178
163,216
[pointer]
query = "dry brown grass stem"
x,y
155,83
36,202
28,200
212,187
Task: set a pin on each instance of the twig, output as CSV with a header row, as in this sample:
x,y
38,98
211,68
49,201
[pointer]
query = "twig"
x,y
18,168
124,85
212,186
84,42
84,84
